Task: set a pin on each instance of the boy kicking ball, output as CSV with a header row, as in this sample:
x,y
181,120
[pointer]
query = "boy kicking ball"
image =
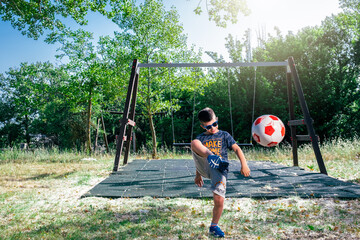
x,y
211,160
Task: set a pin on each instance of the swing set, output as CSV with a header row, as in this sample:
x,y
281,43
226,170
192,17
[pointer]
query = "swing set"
x,y
292,78
175,144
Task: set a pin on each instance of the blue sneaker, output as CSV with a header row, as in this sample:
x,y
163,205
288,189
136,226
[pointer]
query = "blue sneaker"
x,y
217,162
216,232
214,161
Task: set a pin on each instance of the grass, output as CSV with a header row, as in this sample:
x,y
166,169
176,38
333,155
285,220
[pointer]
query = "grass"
x,y
40,198
341,157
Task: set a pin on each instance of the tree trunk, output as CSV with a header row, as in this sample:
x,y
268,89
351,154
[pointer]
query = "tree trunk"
x,y
88,127
27,135
96,134
153,134
104,134
151,122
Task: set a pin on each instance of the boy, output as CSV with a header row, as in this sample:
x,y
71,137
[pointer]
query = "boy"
x,y
210,156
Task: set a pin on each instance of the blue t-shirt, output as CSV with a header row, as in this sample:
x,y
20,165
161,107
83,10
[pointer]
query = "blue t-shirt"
x,y
217,143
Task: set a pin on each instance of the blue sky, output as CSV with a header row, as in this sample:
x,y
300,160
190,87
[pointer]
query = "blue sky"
x,y
288,15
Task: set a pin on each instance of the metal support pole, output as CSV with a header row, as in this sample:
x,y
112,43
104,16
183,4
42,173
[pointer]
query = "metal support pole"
x,y
134,141
121,137
131,117
307,118
292,117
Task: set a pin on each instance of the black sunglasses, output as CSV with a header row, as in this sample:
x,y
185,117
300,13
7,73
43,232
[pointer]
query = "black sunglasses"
x,y
208,127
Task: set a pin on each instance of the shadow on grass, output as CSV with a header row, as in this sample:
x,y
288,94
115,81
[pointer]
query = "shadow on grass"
x,y
105,224
178,222
41,176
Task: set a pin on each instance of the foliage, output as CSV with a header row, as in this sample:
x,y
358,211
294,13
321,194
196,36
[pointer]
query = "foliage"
x,y
223,11
34,17
327,62
38,102
63,102
27,91
235,86
350,6
152,34
91,77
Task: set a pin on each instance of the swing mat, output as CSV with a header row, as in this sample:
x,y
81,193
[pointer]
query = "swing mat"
x,y
175,178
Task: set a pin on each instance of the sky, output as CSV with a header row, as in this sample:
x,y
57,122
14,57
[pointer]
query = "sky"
x,y
287,15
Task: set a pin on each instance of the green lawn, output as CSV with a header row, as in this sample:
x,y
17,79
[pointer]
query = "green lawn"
x,y
40,199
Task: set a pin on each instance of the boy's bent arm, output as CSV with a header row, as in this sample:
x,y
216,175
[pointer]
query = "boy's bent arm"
x,y
245,170
198,179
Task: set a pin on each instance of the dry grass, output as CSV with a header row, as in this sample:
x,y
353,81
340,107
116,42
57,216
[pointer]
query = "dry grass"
x,y
341,157
41,199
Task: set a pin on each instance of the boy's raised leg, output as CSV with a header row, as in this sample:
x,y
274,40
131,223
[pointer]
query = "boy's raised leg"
x,y
200,149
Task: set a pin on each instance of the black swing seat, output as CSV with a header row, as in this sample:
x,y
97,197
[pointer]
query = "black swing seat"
x,y
181,144
245,144
189,144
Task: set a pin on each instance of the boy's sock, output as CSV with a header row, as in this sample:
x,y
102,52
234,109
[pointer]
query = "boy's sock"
x,y
213,224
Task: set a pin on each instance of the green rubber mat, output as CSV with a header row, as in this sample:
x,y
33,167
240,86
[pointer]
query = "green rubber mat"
x,y
175,178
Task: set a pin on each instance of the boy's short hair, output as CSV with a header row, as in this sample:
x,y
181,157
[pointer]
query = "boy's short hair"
x,y
206,115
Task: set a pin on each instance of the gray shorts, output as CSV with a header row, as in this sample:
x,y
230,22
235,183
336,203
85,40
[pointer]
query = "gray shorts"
x,y
218,179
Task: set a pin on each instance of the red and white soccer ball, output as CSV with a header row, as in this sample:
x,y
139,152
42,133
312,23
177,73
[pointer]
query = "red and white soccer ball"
x,y
268,130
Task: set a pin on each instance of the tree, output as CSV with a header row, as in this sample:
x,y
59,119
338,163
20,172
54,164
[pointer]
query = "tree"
x,y
350,6
269,95
91,78
152,34
327,59
342,33
34,17
327,62
9,130
223,11
27,93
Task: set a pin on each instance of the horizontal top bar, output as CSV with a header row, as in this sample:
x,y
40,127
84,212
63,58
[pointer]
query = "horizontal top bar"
x,y
238,64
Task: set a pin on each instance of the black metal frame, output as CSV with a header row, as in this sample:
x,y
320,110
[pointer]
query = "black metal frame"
x,y
130,104
308,121
128,117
